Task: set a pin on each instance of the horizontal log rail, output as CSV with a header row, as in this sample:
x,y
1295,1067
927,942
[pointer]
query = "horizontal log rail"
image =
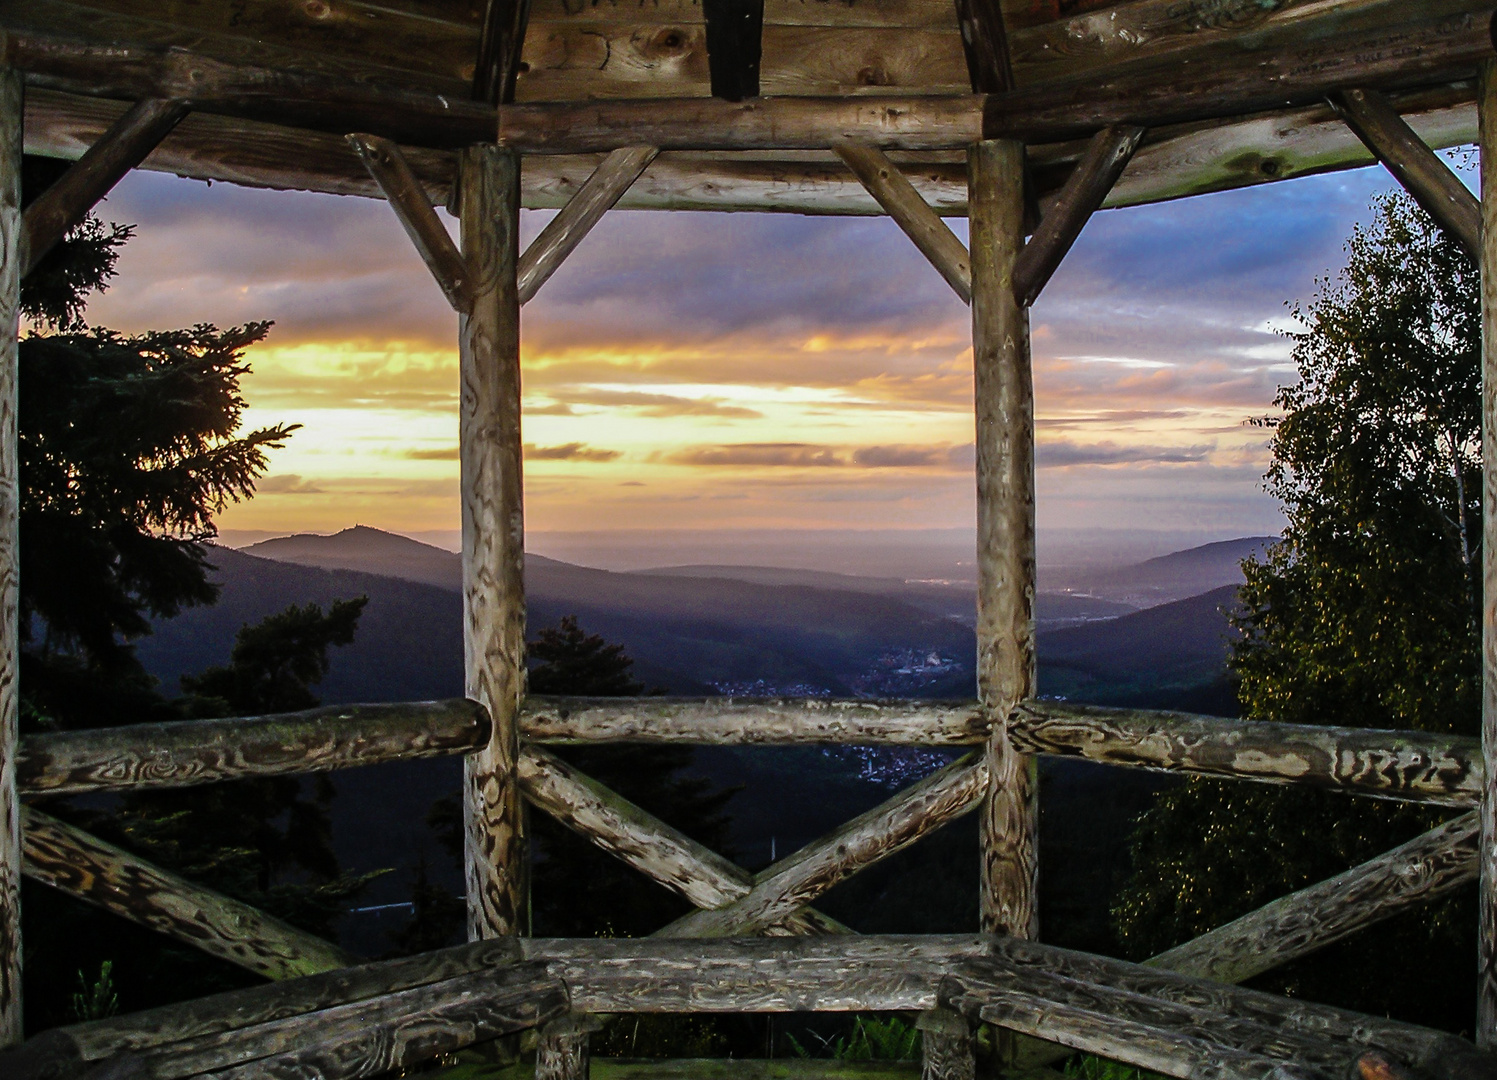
x,y
69,859
192,752
1410,766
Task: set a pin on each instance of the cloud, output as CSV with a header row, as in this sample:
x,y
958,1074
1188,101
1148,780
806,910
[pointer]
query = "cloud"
x,y
1062,454
573,451
900,457
441,453
657,405
286,484
799,455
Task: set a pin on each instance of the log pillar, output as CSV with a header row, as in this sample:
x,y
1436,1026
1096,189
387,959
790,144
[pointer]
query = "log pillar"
x,y
494,856
1004,390
946,1050
561,1052
10,810
1486,1019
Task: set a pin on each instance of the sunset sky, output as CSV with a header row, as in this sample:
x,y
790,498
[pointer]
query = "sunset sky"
x,y
735,371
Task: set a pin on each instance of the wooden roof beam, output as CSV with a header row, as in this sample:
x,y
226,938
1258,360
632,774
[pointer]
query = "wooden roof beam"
x,y
911,213
1106,157
413,206
120,149
1418,168
499,47
735,43
985,42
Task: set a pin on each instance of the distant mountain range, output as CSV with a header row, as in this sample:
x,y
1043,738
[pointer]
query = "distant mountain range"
x,y
744,629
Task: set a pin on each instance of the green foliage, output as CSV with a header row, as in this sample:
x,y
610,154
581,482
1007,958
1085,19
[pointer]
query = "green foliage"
x,y
659,1035
1364,614
1089,1067
55,292
96,1000
871,1039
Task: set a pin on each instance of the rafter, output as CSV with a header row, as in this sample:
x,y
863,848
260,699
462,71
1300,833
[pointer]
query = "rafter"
x,y
911,213
120,149
985,42
608,183
412,205
735,30
500,45
1107,155
1418,168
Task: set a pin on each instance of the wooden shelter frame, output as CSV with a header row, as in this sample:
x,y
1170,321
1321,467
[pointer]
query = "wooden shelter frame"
x,y
755,942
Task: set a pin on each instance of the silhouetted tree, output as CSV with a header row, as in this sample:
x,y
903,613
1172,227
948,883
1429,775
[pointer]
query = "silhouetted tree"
x,y
1364,614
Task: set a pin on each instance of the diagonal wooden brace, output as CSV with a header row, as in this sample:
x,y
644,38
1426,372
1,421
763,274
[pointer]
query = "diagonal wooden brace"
x,y
1105,159
663,854
67,202
1418,168
605,187
412,206
911,213
792,882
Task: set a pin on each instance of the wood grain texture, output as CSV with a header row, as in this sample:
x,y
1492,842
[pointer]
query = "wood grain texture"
x,y
1435,1052
84,866
614,176
561,1051
1427,178
10,806
1412,766
990,68
493,518
501,44
751,721
190,752
1292,926
795,881
911,213
1107,155
1486,993
412,205
1283,72
373,1037
946,1046
1245,152
1004,395
801,974
237,1019
663,854
68,201
1152,30
790,123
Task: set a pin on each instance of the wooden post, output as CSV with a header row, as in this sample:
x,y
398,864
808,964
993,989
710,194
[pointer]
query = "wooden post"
x,y
561,1052
493,537
1005,531
946,1050
1486,1004
10,809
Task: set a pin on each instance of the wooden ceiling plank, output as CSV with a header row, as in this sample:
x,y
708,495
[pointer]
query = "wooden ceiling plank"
x,y
412,204
867,60
500,45
735,43
118,150
583,60
986,43
1108,155
1418,168
910,212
